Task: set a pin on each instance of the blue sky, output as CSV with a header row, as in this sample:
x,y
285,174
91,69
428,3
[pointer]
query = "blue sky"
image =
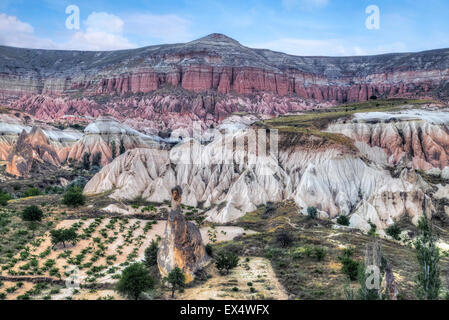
x,y
301,27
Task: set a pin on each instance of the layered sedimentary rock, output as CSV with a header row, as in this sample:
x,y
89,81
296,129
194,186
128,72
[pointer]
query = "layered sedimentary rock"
x,y
217,62
182,245
232,182
82,83
30,148
413,138
163,111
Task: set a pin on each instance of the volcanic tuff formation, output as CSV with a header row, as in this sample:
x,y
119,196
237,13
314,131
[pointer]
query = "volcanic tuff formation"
x,y
334,179
414,138
182,245
206,79
31,148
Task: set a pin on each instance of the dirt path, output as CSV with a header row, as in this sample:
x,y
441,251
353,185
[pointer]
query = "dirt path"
x,y
257,272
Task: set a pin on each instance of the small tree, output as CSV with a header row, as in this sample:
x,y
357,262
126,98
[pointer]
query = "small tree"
x,y
177,280
428,279
86,161
113,149
74,197
151,254
63,236
225,261
32,214
134,280
200,220
284,239
312,212
122,147
96,160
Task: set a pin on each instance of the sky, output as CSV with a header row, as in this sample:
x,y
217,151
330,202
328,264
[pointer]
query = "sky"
x,y
298,27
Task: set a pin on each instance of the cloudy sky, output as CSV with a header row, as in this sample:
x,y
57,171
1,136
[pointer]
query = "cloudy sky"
x,y
300,27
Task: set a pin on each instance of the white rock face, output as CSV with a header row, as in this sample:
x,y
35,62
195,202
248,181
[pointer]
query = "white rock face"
x,y
11,128
413,138
99,135
331,180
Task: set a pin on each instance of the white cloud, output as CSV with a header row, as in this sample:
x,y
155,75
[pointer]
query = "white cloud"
x,y
305,4
104,22
100,31
97,41
104,31
167,28
16,33
329,47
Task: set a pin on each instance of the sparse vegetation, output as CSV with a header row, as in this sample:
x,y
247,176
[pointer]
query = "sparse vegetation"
x,y
32,192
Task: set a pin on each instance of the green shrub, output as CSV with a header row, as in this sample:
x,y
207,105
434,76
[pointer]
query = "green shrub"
x,y
74,197
4,198
394,231
209,250
312,212
373,231
32,214
343,221
134,280
319,253
301,253
350,266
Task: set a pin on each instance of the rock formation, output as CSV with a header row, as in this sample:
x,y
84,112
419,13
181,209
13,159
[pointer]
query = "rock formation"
x,y
31,148
416,139
205,79
11,127
100,135
219,63
182,245
374,257
231,183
